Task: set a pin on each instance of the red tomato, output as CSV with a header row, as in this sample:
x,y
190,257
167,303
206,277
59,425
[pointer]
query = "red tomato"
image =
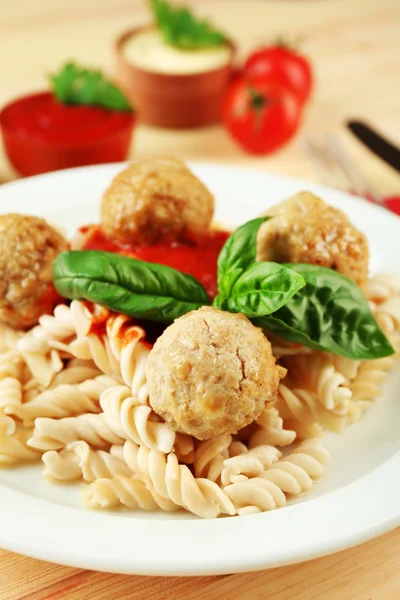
x,y
284,66
261,116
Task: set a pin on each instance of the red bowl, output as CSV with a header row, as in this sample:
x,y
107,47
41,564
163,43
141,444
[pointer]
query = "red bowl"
x,y
40,134
172,100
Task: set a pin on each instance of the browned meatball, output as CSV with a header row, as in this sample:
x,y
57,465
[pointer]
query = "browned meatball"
x,y
304,229
154,201
28,246
211,372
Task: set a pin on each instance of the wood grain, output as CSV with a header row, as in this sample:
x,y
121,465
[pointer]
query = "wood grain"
x,y
367,572
355,49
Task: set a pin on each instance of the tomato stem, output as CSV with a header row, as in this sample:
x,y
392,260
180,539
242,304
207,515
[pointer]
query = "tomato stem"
x,y
258,101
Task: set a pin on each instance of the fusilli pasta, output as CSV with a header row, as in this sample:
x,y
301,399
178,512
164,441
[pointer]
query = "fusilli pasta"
x,y
78,460
65,400
167,483
10,392
13,443
131,420
289,477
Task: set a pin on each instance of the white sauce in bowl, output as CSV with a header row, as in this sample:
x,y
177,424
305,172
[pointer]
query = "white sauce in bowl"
x,y
148,51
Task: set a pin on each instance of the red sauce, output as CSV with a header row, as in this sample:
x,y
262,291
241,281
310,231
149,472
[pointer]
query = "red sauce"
x,y
199,260
43,116
99,317
393,204
41,134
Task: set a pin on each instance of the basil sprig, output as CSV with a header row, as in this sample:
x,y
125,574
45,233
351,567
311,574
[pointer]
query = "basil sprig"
x,y
77,85
133,287
180,27
238,253
262,289
253,288
330,313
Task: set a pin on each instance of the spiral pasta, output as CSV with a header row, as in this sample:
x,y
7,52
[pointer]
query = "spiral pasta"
x,y
52,328
316,373
249,463
11,365
131,420
13,443
10,392
184,448
383,292
210,456
168,484
270,431
54,434
78,460
8,338
122,418
120,351
289,477
301,406
65,400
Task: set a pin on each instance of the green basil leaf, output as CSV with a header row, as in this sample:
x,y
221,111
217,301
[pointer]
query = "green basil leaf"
x,y
182,29
330,313
126,285
77,85
237,254
262,289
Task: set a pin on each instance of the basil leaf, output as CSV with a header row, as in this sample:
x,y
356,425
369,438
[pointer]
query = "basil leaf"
x,y
330,313
182,29
77,85
262,289
133,287
237,254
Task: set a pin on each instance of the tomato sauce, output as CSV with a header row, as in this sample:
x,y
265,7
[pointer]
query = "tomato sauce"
x,y
99,318
41,134
199,260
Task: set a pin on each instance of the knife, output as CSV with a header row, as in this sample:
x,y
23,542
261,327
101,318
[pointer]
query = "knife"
x,y
377,143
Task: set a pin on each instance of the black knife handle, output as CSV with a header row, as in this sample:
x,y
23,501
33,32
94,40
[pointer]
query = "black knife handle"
x,y
375,142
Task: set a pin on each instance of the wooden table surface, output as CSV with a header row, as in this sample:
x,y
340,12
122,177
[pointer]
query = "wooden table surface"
x,y
356,51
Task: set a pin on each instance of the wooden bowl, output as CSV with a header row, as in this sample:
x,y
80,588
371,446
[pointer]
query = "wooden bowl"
x,y
172,100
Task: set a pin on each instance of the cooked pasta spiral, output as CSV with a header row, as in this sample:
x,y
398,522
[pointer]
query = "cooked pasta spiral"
x,y
270,431
78,460
249,463
184,448
210,456
290,476
51,329
8,338
302,412
383,292
10,392
54,434
120,351
316,373
13,440
65,400
168,484
11,365
122,418
131,420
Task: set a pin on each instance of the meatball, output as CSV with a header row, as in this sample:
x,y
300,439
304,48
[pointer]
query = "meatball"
x,y
156,200
28,246
304,229
211,372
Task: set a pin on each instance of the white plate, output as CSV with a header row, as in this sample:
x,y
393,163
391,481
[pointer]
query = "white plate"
x,y
357,500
